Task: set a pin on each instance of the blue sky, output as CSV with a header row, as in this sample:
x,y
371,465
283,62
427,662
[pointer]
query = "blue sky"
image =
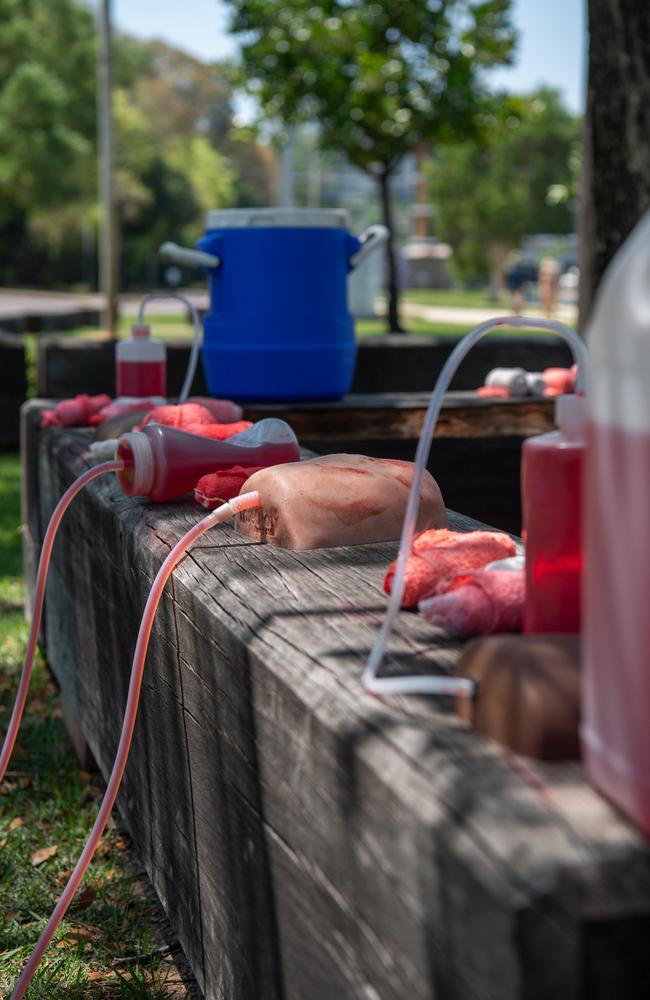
x,y
551,46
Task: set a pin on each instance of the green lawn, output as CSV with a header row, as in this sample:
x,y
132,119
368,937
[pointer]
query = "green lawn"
x,y
164,327
456,297
46,802
173,328
443,331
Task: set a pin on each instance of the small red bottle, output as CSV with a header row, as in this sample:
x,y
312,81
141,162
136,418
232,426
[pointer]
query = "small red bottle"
x,y
551,484
141,365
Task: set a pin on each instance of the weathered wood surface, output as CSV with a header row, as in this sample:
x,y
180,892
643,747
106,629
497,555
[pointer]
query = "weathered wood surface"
x,y
475,454
13,387
384,364
308,840
384,413
399,416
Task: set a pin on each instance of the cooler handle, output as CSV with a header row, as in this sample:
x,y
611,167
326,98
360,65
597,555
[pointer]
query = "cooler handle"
x,y
186,257
371,239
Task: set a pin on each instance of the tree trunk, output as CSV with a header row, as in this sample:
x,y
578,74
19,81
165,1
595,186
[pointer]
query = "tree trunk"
x,y
618,112
394,325
498,254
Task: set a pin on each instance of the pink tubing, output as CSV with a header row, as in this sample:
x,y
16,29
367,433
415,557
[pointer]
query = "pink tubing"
x,y
222,513
39,597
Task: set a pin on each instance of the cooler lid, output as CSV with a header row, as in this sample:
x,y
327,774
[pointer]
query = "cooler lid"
x,y
277,218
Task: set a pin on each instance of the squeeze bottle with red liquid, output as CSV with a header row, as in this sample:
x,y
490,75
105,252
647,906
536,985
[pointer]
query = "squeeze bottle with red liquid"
x,y
141,365
551,486
162,462
616,646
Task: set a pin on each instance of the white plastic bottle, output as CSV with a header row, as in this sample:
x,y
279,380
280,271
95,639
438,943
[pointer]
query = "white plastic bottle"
x,y
616,610
141,365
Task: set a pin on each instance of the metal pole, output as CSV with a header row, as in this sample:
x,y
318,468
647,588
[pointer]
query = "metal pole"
x,y
288,172
108,262
313,172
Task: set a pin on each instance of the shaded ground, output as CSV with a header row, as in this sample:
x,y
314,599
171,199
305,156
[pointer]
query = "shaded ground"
x,y
440,312
47,807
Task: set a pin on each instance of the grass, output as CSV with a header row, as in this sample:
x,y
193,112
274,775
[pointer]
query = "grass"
x,y
163,326
46,802
167,327
443,331
456,298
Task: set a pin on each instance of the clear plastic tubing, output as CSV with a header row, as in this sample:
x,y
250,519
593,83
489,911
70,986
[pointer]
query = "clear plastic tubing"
x,y
39,597
427,684
196,343
227,510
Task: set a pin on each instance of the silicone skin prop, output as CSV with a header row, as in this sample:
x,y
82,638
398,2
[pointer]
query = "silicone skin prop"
x,y
336,500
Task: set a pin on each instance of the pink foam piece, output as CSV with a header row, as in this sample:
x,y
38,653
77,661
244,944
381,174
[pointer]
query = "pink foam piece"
x,y
439,555
181,416
114,409
217,487
223,411
218,432
492,392
562,380
479,603
75,412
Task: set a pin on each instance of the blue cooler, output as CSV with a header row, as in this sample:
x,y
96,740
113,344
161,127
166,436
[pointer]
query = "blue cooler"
x,y
279,328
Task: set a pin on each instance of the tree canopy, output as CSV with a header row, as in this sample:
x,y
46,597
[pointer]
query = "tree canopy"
x,y
380,78
520,180
175,157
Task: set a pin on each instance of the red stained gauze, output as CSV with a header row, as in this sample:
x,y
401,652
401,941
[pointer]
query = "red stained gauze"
x,y
218,432
479,603
223,411
439,555
75,412
180,416
217,487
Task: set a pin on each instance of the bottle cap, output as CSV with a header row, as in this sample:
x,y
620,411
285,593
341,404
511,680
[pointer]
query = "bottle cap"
x,y
140,478
571,411
140,330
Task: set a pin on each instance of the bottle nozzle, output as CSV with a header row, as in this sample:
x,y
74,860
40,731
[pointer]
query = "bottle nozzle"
x,y
571,412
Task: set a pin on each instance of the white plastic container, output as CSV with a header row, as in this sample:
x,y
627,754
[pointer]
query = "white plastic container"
x,y
512,379
616,611
141,365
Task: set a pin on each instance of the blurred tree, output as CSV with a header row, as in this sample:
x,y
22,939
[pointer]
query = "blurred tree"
x,y
175,154
521,179
379,78
48,134
182,96
46,130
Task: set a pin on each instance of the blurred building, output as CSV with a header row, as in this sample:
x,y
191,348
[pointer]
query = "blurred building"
x,y
425,264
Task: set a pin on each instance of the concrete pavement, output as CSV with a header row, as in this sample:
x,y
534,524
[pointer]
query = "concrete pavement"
x,y
23,304
466,316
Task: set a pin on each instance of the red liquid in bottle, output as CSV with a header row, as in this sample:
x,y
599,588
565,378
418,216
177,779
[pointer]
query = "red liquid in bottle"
x,y
616,648
163,463
141,378
552,499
